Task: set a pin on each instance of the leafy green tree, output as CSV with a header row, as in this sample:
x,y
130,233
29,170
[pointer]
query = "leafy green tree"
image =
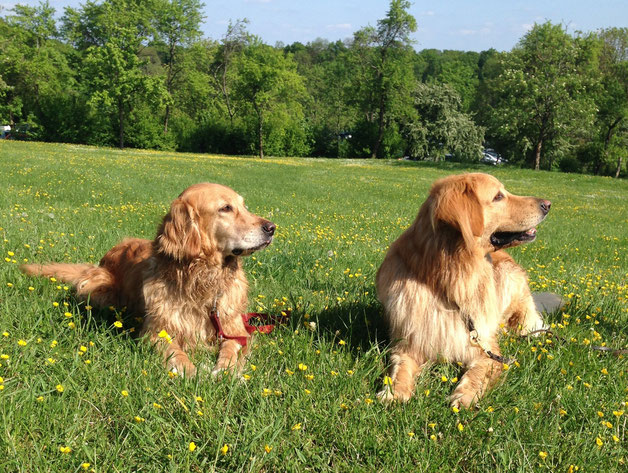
x,y
269,83
38,21
176,27
114,73
383,72
441,126
613,99
542,95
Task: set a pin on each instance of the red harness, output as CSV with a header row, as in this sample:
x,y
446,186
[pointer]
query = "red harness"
x,y
220,333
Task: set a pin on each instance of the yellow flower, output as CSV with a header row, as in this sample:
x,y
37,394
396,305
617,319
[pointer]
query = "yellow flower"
x,y
426,392
604,371
506,366
455,409
192,446
342,342
163,334
139,419
562,412
615,438
268,448
387,380
68,314
599,441
53,344
296,426
65,450
40,398
302,367
55,304
460,427
618,413
433,437
83,348
85,466
543,455
224,449
157,406
124,392
22,343
444,379
117,324
253,367
309,377
600,413
59,388
72,325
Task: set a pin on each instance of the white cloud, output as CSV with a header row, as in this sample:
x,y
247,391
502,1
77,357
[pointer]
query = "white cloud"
x,y
428,13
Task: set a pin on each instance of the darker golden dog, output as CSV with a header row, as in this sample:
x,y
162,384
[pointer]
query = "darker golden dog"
x,y
446,285
192,269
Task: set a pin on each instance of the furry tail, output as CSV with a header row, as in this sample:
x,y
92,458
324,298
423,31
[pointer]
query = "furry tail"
x,y
89,280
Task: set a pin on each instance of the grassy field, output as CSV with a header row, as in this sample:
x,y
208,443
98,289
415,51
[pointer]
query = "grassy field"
x,y
80,392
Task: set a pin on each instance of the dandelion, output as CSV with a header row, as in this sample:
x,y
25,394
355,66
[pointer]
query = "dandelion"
x,y
615,438
253,367
22,343
387,380
426,392
139,419
309,377
433,437
163,334
59,388
289,372
543,455
192,446
65,450
460,427
267,448
124,393
86,465
224,449
157,406
117,324
410,434
444,379
618,413
604,371
296,426
600,414
68,314
368,400
54,343
562,412
302,367
455,409
342,342
506,366
599,441
39,398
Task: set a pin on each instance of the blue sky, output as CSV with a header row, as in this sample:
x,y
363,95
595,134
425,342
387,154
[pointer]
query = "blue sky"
x,y
445,24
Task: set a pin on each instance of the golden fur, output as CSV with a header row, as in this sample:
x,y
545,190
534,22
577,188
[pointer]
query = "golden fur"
x,y
190,269
448,267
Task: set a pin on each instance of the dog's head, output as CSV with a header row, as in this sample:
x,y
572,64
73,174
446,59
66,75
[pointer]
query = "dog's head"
x,y
211,220
484,212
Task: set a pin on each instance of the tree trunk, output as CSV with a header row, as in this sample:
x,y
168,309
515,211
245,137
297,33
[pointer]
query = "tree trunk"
x,y
380,128
121,123
619,159
537,155
166,119
260,137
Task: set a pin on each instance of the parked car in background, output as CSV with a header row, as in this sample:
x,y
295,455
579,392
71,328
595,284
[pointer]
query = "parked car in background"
x,y
5,132
492,157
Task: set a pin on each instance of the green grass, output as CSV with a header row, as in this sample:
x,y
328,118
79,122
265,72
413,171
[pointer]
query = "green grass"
x,y
335,221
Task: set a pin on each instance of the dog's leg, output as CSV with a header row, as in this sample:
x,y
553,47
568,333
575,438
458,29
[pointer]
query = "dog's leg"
x,y
524,316
482,373
175,359
230,355
402,377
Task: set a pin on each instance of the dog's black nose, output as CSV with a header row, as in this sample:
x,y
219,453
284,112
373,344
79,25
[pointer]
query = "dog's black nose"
x,y
269,227
545,206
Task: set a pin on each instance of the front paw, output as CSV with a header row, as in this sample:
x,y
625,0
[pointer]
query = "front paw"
x,y
535,327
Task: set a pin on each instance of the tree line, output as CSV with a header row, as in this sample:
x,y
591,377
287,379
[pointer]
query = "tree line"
x,y
139,73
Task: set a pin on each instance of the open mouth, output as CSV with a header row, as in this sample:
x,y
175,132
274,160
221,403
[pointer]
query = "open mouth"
x,y
503,239
248,251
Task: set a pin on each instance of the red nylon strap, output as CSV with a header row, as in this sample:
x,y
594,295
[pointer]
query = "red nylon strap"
x,y
220,333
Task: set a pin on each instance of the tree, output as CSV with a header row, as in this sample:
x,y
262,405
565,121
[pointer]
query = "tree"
x,y
176,27
441,127
233,42
613,100
269,82
542,95
115,79
38,21
384,72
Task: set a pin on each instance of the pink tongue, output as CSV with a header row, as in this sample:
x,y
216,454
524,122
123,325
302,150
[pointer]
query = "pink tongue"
x,y
532,231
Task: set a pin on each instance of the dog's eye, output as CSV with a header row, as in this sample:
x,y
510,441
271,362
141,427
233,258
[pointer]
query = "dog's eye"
x,y
226,208
498,197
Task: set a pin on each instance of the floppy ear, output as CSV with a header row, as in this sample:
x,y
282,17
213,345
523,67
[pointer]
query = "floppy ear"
x,y
178,235
460,208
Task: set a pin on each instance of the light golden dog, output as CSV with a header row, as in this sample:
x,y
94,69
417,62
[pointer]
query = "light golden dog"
x,y
446,286
191,270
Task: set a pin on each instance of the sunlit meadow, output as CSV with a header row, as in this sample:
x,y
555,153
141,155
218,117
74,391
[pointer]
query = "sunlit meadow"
x,y
79,391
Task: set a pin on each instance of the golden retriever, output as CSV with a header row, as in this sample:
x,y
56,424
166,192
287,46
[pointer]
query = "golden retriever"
x,y
446,285
191,270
